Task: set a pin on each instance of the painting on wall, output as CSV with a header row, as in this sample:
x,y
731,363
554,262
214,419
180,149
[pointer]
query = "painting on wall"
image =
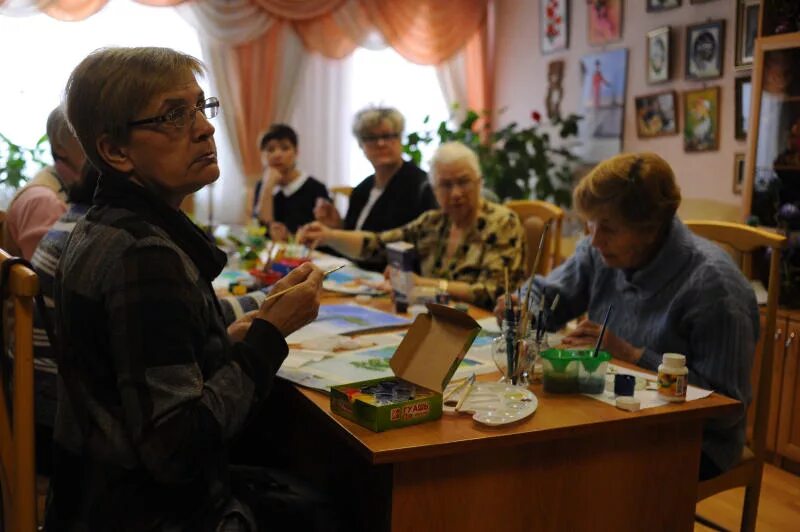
x,y
605,21
602,103
738,173
656,114
658,55
704,50
744,88
701,119
554,25
555,90
746,33
662,5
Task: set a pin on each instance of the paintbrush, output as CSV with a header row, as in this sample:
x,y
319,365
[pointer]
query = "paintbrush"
x,y
455,388
467,390
510,340
523,324
324,275
602,331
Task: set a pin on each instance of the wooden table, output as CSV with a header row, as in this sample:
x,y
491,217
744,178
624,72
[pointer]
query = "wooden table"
x,y
576,464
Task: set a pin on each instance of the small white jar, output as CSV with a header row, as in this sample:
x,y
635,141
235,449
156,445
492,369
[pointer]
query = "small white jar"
x,y
673,376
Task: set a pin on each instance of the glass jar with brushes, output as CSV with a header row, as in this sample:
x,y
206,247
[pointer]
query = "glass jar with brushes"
x,y
518,368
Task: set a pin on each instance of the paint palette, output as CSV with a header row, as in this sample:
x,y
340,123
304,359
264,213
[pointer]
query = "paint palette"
x,y
495,403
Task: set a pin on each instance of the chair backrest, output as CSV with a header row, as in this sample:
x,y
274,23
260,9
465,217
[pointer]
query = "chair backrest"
x,y
546,212
344,191
17,451
746,240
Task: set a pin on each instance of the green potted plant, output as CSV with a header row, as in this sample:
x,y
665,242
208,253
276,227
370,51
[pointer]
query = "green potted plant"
x,y
516,162
18,163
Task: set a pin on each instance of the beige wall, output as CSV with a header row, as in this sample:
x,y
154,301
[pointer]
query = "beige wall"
x,y
520,85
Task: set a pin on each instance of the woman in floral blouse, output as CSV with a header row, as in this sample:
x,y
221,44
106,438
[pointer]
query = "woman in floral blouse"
x,y
463,247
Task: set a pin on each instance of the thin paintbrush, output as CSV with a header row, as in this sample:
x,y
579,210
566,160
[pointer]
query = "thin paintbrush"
x,y
324,275
510,340
467,390
523,325
602,331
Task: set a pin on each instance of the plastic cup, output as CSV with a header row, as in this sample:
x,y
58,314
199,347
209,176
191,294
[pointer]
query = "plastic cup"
x,y
592,372
574,370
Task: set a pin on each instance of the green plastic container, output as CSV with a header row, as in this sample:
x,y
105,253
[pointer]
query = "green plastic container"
x,y
574,370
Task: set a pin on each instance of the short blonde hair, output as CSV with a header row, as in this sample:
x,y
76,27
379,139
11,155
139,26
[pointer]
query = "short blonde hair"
x,y
639,189
111,86
371,117
454,152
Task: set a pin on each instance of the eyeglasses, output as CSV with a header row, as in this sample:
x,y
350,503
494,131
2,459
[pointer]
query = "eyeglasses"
x,y
374,139
463,183
180,116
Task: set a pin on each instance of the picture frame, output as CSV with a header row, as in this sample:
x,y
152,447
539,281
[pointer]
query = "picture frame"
x,y
604,21
701,119
555,89
746,32
554,25
654,6
658,67
738,173
743,92
705,47
602,104
656,114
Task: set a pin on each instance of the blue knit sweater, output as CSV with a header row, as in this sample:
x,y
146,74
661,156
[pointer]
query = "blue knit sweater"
x,y
691,299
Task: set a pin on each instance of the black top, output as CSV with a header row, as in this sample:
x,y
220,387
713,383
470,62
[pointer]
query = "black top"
x,y
295,210
407,195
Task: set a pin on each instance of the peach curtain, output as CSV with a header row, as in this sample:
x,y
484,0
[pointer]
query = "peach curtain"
x,y
426,32
70,10
258,72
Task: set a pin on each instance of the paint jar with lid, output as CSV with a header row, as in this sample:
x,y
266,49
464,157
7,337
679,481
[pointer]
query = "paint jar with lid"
x,y
673,376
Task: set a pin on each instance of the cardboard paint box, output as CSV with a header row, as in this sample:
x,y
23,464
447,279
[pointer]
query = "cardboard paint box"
x,y
429,354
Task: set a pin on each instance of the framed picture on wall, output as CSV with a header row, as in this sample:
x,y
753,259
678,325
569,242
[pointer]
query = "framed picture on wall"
x,y
605,21
662,5
738,173
744,88
746,32
656,114
554,25
701,120
705,45
658,55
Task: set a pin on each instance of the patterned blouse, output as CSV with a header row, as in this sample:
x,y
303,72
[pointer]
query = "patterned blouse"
x,y
497,241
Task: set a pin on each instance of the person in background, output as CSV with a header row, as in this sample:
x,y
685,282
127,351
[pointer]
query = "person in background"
x,y
397,193
151,387
464,247
672,291
284,197
44,262
36,207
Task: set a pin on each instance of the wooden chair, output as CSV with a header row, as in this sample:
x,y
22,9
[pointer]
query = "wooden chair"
x,y
343,191
546,212
745,240
17,451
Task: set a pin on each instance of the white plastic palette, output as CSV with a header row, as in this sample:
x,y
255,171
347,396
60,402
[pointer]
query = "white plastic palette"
x,y
495,403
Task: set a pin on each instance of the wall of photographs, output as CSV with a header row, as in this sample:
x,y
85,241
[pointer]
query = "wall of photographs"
x,y
669,76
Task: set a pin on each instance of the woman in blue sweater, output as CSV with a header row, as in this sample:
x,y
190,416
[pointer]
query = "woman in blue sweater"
x,y
672,291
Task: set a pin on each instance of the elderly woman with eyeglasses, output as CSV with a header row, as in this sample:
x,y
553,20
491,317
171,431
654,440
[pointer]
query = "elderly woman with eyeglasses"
x,y
152,387
395,194
671,291
463,247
